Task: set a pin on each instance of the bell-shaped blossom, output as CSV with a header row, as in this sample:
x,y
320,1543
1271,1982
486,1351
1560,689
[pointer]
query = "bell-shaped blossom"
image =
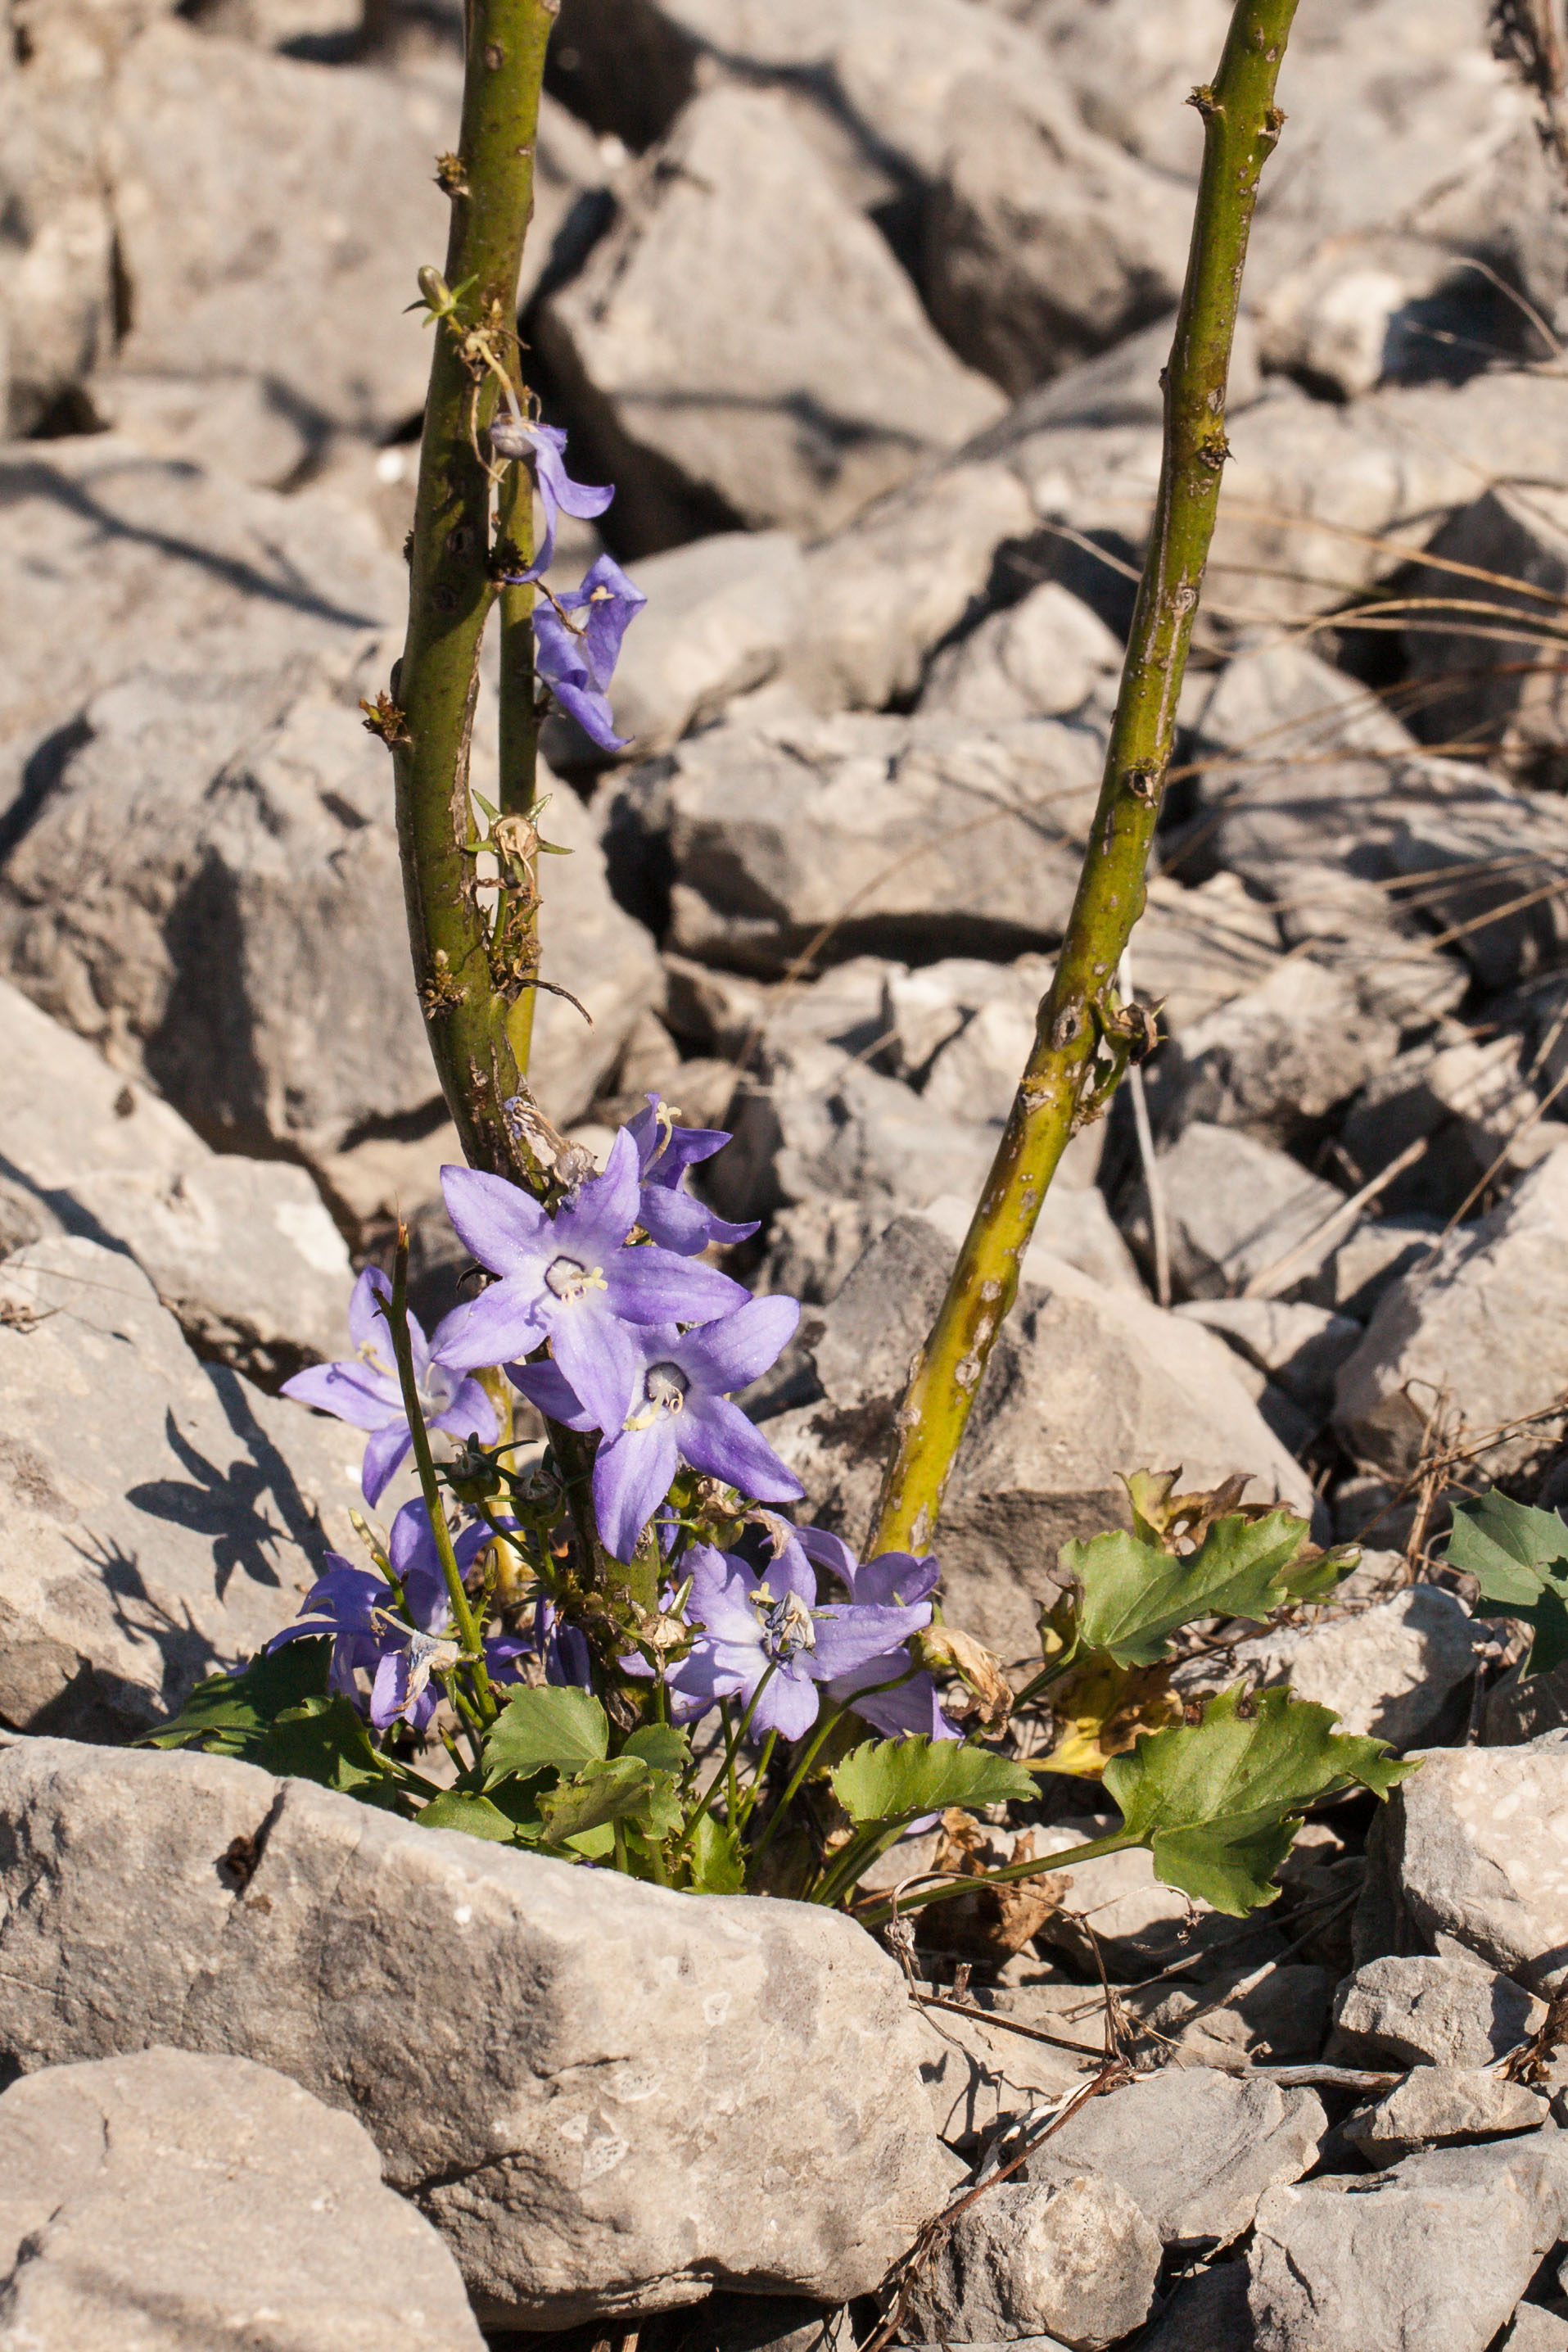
x,y
678,1411
674,1216
753,1620
576,657
399,1651
511,436
892,1579
364,1391
569,1279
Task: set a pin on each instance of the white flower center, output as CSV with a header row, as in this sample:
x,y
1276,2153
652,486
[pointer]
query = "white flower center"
x,y
439,1390
570,1281
786,1623
664,1390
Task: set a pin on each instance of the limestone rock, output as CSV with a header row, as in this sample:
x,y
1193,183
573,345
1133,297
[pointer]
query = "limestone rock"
x,y
587,2140
1083,1382
164,2200
742,346
184,569
1194,2150
1276,1059
1039,659
1430,2256
159,1517
1443,2107
1206,2314
904,837
1072,2257
1472,1857
1476,682
1420,2012
241,1251
1521,1707
1533,2329
1236,1208
215,153
1484,1322
1392,1671
1300,1346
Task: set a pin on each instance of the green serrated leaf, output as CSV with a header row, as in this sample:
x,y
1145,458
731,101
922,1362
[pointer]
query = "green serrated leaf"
x,y
662,1746
455,1809
550,1726
623,1789
894,1779
230,1709
714,1860
1219,1802
325,1740
1519,1557
1136,1595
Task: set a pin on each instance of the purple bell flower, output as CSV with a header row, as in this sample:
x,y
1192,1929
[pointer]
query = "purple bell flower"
x,y
668,1213
363,1389
559,494
753,1619
401,1652
577,659
894,1578
569,1279
677,1411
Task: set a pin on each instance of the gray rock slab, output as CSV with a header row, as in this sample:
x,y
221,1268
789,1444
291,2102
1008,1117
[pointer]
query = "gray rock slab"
x,y
1380,1250
159,1517
742,345
1278,1057
1472,1859
1531,2329
1422,2011
1430,2256
1298,1344
210,136
1236,1209
165,2199
607,2096
1071,2258
1392,1670
907,837
1487,1323
241,1250
1140,1924
1037,659
1083,1380
977,2076
1472,685
1194,2150
1444,2106
1274,2013
184,568
719,616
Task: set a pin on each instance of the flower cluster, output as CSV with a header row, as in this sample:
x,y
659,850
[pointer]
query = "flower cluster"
x,y
578,635
606,1316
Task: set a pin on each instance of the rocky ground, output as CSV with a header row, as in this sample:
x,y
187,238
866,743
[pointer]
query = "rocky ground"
x,y
862,308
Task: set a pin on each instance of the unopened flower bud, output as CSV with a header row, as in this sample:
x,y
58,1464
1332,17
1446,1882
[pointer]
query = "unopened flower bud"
x,y
509,436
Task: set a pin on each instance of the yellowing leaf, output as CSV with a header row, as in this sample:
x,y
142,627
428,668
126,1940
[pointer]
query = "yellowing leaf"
x,y
1099,1708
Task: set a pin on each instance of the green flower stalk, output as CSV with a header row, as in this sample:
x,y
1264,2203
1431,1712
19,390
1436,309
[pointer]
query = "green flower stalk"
x,y
1085,1035
475,966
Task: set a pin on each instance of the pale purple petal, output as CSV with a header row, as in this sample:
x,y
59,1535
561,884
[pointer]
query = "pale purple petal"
x,y
502,1322
389,1692
789,1706
364,1399
679,1221
735,1349
612,602
598,1356
654,1286
367,1324
847,1637
470,1414
384,1453
547,1386
504,1226
908,1707
631,1474
897,1578
592,1227
831,1553
717,1438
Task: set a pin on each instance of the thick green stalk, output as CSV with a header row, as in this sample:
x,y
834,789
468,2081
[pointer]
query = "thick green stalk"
x,y
478,1011
1083,1035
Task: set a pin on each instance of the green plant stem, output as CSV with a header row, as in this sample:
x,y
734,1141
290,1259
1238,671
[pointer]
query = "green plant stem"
x,y
477,1020
462,1614
831,1714
1009,1875
724,1776
1083,1037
